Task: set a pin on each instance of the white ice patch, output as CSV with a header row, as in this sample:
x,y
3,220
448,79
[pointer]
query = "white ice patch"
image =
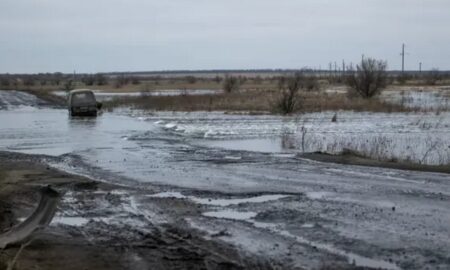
x,y
170,126
220,202
217,125
318,195
228,202
233,157
231,214
71,221
176,195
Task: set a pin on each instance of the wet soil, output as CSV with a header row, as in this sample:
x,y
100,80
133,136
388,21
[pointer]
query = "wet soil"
x,y
99,245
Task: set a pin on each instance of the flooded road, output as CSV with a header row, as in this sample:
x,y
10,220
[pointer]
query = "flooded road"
x,y
254,193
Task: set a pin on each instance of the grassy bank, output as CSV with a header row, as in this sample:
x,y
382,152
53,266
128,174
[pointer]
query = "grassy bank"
x,y
262,101
354,158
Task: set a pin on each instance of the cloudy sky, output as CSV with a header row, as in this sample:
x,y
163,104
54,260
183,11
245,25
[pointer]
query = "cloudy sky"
x,y
133,35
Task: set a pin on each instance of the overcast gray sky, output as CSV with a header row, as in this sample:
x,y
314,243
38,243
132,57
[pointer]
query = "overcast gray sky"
x,y
133,35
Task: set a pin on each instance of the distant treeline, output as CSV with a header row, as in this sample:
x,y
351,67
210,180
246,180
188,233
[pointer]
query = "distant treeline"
x,y
68,81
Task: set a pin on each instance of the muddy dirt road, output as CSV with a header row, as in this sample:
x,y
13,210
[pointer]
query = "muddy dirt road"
x,y
272,204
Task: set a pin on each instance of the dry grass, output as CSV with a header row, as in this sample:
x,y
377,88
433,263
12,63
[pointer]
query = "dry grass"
x,y
316,102
221,102
253,101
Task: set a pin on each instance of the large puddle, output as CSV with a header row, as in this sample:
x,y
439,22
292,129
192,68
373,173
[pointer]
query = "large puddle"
x,y
265,145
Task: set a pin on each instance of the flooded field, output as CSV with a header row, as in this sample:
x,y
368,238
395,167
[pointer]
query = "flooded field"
x,y
237,179
436,99
106,96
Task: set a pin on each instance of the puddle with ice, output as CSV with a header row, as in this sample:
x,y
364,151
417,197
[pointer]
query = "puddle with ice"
x,y
318,195
231,214
265,145
221,202
71,221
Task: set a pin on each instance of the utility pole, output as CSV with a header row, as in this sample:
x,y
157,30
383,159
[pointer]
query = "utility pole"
x,y
420,67
343,66
403,58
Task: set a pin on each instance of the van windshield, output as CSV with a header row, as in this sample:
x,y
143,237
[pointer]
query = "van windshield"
x,y
84,98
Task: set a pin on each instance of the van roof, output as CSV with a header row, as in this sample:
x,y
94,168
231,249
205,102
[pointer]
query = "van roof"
x,y
80,91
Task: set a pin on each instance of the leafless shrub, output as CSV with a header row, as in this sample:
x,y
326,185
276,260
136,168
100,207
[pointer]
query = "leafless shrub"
x,y
310,83
57,78
100,79
135,80
4,81
258,80
69,85
122,80
369,78
231,84
88,80
28,81
289,99
433,76
191,79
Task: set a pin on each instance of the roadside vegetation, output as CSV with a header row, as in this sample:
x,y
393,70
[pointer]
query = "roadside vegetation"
x,y
282,92
369,78
256,102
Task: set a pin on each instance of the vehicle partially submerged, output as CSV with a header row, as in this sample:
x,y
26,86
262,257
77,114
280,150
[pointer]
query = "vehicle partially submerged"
x,y
82,103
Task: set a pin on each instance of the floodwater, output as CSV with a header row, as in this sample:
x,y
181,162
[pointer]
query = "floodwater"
x,y
438,99
260,196
105,96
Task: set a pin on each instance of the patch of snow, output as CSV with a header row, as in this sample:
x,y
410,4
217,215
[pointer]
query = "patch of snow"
x,y
71,221
220,202
231,214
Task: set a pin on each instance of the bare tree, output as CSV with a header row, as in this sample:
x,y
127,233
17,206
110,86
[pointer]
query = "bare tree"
x,y
69,85
369,78
4,81
28,81
231,84
135,80
191,79
289,99
88,80
101,79
57,77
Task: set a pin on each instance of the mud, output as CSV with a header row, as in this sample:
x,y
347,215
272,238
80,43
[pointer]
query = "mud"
x,y
99,242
